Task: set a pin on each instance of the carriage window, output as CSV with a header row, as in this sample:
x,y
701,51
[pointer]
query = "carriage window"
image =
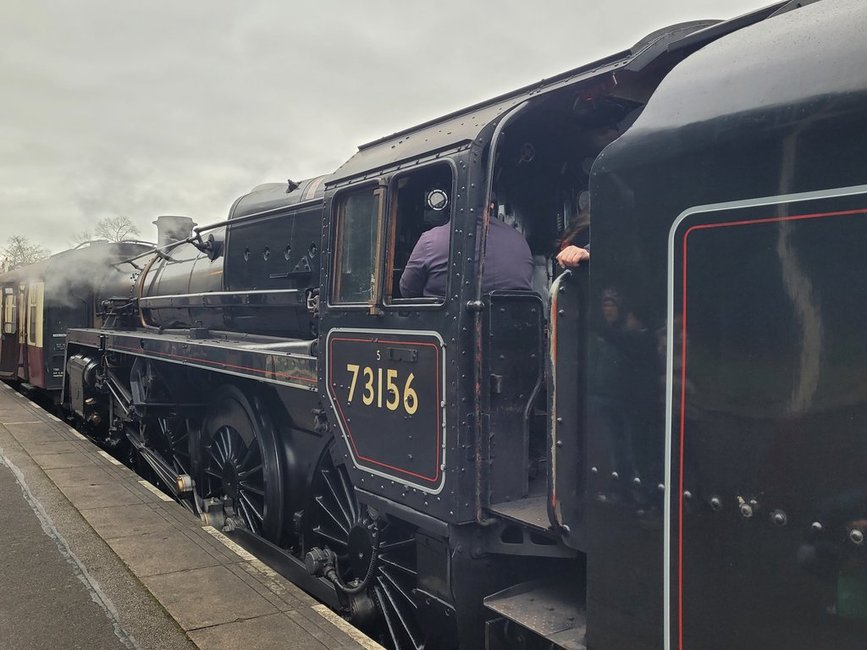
x,y
355,247
421,201
34,316
9,311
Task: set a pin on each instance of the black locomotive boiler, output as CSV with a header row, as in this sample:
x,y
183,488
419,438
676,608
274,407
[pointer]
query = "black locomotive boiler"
x,y
663,449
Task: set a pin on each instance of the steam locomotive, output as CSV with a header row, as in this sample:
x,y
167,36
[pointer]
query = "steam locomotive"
x,y
663,449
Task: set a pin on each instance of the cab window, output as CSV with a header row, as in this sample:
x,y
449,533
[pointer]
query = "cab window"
x,y
357,227
421,200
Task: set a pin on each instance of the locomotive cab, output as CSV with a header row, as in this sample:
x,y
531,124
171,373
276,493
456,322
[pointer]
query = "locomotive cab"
x,y
542,178
541,349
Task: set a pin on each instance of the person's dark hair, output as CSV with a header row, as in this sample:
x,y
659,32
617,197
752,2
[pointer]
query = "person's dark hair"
x,y
579,225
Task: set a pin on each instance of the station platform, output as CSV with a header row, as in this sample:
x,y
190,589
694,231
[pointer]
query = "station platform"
x,y
94,557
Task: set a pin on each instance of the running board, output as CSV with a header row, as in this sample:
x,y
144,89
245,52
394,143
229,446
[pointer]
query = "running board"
x,y
553,611
288,566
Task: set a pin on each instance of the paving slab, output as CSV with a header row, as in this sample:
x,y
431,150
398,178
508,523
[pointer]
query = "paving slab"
x,y
36,446
86,475
33,432
161,551
99,496
266,632
320,628
259,578
56,461
222,597
17,414
125,521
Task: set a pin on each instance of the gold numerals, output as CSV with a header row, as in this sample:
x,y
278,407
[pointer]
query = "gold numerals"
x,y
382,387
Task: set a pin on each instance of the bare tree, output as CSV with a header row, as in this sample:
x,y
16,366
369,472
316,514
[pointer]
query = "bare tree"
x,y
20,251
115,228
82,236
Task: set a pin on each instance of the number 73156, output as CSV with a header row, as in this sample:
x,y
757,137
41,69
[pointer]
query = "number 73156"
x,y
382,385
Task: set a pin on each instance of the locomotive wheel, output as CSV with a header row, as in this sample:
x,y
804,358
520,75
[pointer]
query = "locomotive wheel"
x,y
240,464
360,537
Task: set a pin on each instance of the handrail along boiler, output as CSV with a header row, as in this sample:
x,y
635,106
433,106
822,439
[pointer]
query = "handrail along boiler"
x,y
661,451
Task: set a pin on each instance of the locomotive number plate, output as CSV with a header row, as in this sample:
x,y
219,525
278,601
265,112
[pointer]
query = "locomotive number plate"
x,y
386,388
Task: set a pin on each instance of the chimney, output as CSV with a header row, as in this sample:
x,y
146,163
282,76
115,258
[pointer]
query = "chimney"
x,y
171,229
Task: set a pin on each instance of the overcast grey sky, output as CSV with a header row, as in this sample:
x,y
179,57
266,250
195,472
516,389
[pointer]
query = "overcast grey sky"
x,y
148,108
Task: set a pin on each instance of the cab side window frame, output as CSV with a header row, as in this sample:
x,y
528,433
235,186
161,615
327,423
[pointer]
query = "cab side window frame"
x,y
349,246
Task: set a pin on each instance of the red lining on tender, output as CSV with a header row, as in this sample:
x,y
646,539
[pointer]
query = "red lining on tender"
x,y
708,226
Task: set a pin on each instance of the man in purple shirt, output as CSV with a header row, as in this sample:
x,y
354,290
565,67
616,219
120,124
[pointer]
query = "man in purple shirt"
x,y
508,262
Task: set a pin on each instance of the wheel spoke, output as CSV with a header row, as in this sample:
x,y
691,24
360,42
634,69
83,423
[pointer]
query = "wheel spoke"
x,y
399,567
337,499
226,436
404,623
247,473
333,538
214,457
327,510
247,518
383,606
350,495
393,546
246,499
247,487
398,587
220,450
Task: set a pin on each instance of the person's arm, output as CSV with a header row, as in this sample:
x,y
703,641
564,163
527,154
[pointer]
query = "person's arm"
x,y
414,276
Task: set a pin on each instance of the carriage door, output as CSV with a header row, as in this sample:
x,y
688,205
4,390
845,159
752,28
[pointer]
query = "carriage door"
x,y
383,324
9,335
34,361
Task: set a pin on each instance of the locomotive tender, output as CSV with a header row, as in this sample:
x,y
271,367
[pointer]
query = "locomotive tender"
x,y
663,450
